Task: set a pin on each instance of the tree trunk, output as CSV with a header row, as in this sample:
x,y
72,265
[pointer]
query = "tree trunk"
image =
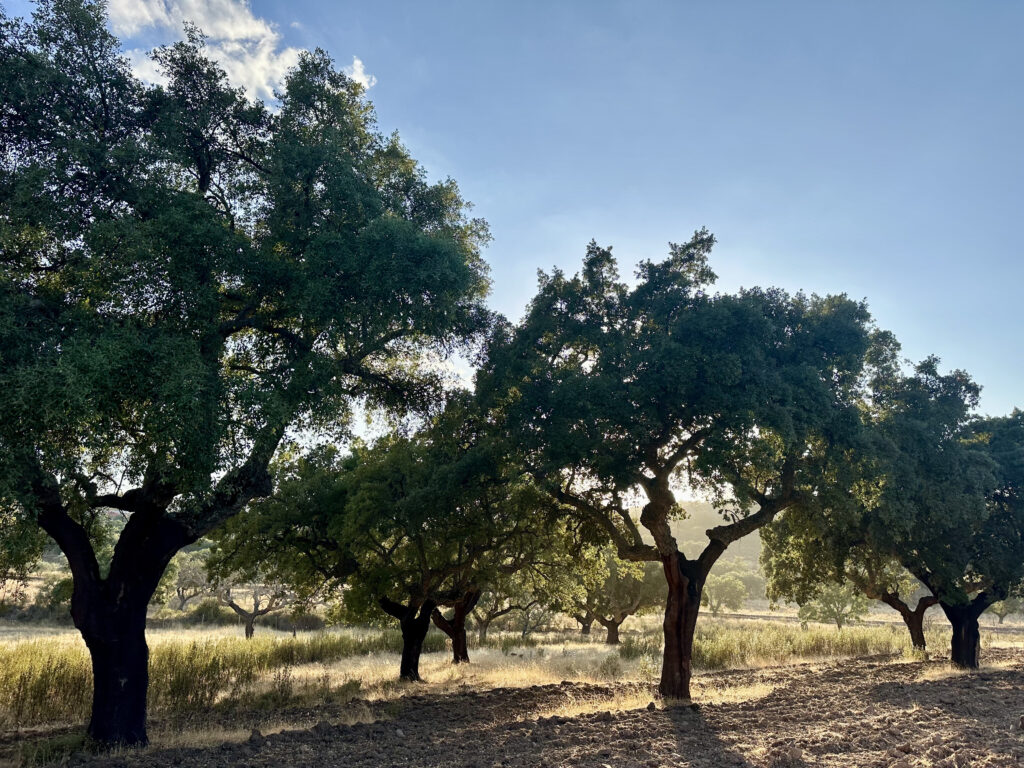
x,y
1001,616
915,625
914,619
455,627
111,616
965,648
685,584
482,625
414,628
585,626
250,627
120,674
613,633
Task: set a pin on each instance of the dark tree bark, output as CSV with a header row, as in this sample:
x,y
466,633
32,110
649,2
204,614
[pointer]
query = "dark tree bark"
x,y
120,671
913,618
613,622
275,601
110,611
585,622
455,627
965,649
414,620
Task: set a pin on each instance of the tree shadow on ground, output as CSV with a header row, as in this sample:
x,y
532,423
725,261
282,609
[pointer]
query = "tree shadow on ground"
x,y
511,728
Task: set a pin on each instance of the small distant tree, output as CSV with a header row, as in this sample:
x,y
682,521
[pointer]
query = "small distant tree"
x,y
191,580
616,590
252,601
549,576
1004,608
839,604
22,548
725,590
497,602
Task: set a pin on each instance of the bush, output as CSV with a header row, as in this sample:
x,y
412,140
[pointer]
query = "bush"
x,y
301,621
636,647
209,611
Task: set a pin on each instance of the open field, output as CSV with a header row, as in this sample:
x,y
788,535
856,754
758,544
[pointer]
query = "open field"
x,y
768,693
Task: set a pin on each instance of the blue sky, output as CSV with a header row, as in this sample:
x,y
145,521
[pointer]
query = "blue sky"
x,y
869,148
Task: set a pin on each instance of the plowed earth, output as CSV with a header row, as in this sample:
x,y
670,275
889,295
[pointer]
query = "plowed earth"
x,y
862,712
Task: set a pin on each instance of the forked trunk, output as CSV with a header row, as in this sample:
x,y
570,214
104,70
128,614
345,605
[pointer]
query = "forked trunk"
x,y
414,629
612,626
914,619
585,626
111,616
455,627
685,584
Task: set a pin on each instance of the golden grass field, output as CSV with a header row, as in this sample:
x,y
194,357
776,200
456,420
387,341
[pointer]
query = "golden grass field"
x,y
211,686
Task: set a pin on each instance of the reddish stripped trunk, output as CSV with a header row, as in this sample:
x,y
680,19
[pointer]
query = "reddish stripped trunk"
x,y
685,584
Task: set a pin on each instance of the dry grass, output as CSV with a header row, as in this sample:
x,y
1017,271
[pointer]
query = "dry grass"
x,y
721,692
949,671
45,678
576,704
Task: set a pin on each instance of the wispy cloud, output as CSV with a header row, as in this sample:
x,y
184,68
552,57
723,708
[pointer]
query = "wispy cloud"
x,y
247,46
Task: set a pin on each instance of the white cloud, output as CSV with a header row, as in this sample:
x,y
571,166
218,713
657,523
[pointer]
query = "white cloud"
x,y
248,47
358,73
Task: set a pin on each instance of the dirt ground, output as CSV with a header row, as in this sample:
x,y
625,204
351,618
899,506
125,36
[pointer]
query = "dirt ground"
x,y
863,712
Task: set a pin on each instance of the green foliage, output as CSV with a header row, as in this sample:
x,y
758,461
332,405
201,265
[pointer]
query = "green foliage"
x,y
935,499
615,391
840,604
54,597
614,589
21,547
799,558
418,518
724,590
186,277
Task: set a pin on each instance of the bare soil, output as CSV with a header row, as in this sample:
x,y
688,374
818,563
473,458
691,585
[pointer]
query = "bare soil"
x,y
863,712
